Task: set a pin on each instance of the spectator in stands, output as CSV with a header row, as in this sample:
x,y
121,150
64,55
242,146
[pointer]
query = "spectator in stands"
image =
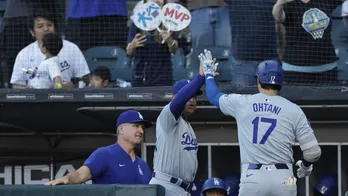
x,y
210,24
15,35
71,60
101,77
152,65
253,37
118,163
309,55
94,23
48,71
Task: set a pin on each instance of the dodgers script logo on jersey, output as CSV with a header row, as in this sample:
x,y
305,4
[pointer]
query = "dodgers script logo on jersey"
x,y
40,74
315,21
64,66
189,142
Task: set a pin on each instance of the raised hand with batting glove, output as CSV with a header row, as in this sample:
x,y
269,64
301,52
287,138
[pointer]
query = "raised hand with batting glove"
x,y
208,65
303,171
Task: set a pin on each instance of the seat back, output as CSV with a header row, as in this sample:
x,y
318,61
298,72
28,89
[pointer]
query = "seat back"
x,y
222,55
113,57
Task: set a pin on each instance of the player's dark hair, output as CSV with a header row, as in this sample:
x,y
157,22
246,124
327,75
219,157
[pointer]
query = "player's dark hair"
x,y
53,43
271,87
102,72
41,13
216,189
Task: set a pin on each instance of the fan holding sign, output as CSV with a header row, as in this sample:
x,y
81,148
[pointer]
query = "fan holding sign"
x,y
151,44
175,17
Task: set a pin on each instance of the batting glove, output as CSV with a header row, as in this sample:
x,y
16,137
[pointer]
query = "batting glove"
x,y
303,171
207,63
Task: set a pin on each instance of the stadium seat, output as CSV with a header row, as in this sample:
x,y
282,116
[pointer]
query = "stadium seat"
x,y
222,55
2,5
339,32
343,63
113,57
179,69
178,59
0,23
339,37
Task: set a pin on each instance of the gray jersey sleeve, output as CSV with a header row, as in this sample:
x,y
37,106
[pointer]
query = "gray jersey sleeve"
x,y
306,138
166,120
229,103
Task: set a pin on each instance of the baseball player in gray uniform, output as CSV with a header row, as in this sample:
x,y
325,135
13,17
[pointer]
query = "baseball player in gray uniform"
x,y
175,159
268,126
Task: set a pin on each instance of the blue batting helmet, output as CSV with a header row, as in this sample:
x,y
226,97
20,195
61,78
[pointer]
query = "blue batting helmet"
x,y
213,183
232,181
327,185
270,72
196,188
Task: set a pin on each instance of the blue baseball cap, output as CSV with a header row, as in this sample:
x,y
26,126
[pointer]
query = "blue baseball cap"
x,y
232,181
213,183
132,116
180,84
327,185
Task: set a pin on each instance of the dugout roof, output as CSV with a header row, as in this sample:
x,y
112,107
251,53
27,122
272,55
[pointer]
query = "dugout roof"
x,y
36,125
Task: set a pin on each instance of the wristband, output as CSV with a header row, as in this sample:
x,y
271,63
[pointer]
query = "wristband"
x,y
59,85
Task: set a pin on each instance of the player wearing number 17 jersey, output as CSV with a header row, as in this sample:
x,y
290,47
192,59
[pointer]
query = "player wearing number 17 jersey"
x,y
268,126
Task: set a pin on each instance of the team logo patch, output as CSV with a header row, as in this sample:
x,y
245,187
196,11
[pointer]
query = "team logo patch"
x,y
189,142
315,21
323,189
140,171
216,181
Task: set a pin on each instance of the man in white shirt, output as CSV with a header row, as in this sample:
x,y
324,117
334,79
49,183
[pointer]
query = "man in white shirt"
x,y
71,60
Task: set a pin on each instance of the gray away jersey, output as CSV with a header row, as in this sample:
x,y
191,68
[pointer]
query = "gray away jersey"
x,y
268,126
176,147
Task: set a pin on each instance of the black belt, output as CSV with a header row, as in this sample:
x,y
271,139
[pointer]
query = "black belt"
x,y
277,165
173,180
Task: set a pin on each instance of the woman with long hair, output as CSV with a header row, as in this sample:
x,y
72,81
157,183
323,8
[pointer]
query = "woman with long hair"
x,y
151,54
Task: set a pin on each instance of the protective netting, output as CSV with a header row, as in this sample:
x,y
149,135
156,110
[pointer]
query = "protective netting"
x,y
103,47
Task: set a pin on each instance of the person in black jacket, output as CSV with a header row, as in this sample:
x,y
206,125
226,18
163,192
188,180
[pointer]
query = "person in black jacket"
x,y
309,55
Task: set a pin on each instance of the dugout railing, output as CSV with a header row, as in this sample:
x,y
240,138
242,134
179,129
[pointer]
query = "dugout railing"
x,y
82,190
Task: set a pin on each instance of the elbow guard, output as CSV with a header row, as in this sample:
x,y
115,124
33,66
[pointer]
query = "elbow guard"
x,y
312,154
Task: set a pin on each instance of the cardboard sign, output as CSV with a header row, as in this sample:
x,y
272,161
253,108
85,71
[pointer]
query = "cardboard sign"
x,y
147,16
175,17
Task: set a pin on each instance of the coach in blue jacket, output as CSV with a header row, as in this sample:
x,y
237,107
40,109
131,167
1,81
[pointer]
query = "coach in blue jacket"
x,y
117,163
